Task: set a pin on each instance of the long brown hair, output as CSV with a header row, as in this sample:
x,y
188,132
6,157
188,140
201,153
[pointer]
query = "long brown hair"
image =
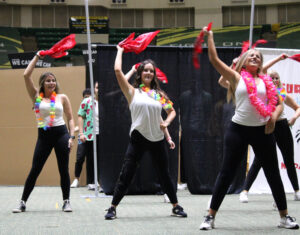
x,y
154,83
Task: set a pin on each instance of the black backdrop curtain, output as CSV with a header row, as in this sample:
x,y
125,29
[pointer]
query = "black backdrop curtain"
x,y
202,114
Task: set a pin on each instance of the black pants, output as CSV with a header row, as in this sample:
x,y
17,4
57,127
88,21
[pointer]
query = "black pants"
x,y
88,145
57,138
80,157
137,146
237,138
284,140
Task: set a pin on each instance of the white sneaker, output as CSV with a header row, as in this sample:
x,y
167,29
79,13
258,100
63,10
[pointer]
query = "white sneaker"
x,y
75,184
208,203
244,197
20,208
288,222
297,196
166,198
92,186
67,206
181,186
208,223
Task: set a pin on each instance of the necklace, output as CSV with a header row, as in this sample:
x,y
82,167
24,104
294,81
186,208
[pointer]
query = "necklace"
x,y
41,123
252,92
166,104
281,93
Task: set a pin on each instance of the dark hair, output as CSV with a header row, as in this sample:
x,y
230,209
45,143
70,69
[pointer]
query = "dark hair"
x,y
42,79
154,83
87,91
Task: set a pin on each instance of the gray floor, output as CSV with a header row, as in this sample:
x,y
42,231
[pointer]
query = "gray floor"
x,y
136,214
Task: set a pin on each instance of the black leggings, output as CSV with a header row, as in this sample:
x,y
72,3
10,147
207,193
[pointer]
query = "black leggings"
x,y
80,156
237,138
89,150
57,138
137,146
284,140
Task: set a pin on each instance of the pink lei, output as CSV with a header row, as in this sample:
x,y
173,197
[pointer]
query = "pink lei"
x,y
263,110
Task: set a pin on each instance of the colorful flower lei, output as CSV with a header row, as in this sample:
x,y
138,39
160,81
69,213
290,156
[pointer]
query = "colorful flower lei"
x,y
281,93
166,104
252,91
41,123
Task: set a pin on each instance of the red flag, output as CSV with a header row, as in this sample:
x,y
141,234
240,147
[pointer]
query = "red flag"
x,y
59,49
161,76
246,44
139,44
126,40
260,41
198,46
295,57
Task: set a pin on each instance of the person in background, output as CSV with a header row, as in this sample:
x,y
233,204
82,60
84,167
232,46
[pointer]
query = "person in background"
x,y
49,106
81,153
86,125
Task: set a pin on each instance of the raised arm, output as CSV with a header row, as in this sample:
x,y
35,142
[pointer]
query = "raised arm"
x,y
129,74
229,74
273,61
223,82
31,89
126,88
289,101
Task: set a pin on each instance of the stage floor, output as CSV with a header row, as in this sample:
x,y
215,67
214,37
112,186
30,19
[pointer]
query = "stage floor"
x,y
141,214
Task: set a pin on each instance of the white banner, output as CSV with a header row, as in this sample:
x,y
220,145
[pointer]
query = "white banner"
x,y
289,72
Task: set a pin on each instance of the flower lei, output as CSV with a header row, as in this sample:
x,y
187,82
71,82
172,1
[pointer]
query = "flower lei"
x,y
252,92
166,104
281,93
41,123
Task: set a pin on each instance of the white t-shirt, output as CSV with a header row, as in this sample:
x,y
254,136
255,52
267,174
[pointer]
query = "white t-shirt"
x,y
45,113
245,113
146,116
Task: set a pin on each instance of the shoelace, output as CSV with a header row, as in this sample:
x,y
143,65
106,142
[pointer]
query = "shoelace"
x,y
208,218
111,209
292,219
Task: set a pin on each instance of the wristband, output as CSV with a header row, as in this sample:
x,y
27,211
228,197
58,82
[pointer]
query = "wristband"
x,y
168,139
38,55
72,137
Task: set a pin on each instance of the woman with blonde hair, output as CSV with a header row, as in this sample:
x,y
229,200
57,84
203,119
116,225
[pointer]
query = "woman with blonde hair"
x,y
253,123
283,137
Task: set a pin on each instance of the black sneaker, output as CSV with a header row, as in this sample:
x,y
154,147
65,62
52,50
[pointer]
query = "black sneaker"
x,y
67,206
20,208
178,211
111,213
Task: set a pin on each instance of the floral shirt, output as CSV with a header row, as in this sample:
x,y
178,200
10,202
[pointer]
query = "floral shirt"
x,y
86,112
